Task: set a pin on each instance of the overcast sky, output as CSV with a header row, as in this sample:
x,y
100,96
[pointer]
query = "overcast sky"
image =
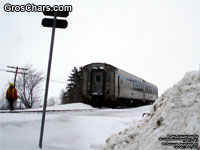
x,y
156,40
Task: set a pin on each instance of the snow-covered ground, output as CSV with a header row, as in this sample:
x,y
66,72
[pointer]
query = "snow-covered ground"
x,y
174,115
83,128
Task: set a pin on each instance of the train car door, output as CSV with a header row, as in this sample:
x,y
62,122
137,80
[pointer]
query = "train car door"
x,y
98,82
118,86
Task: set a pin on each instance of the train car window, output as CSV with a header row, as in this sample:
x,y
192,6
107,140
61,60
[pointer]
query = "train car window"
x,y
136,87
133,86
141,88
98,78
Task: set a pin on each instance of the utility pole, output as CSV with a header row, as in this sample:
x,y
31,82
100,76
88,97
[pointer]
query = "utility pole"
x,y
16,72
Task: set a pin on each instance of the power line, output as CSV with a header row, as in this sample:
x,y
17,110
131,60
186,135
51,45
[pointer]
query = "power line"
x,y
58,81
53,80
12,71
59,78
3,70
18,68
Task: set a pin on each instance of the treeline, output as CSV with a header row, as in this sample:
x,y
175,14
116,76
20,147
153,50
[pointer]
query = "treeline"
x,y
72,92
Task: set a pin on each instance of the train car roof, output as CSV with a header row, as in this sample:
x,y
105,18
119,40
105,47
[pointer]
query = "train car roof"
x,y
100,63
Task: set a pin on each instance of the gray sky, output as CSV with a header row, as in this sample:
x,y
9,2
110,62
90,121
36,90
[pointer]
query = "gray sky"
x,y
156,40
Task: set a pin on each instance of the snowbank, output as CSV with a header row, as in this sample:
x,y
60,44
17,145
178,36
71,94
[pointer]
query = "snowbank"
x,y
73,106
70,106
175,113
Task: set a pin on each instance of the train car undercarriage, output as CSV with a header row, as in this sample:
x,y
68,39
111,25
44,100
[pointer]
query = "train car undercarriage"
x,y
99,101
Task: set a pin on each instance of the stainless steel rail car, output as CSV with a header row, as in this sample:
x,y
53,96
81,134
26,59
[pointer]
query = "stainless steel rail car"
x,y
106,85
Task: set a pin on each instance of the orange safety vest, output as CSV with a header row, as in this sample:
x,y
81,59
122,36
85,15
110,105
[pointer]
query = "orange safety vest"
x,y
11,94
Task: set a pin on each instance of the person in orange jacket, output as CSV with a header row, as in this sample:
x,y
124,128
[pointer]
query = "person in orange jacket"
x,y
11,95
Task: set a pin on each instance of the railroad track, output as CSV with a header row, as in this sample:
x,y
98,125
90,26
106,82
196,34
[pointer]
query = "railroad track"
x,y
40,111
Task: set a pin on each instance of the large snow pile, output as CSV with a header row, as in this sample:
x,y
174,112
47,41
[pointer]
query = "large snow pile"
x,y
174,116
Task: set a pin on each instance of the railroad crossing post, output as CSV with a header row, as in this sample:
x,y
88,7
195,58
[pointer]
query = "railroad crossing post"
x,y
47,80
54,23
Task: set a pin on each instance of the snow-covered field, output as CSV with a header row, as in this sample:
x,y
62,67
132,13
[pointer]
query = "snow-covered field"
x,y
83,128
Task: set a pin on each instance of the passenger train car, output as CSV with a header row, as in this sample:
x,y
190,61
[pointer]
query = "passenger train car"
x,y
106,85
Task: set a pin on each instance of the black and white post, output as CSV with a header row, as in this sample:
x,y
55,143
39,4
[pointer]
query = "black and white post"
x,y
54,23
47,80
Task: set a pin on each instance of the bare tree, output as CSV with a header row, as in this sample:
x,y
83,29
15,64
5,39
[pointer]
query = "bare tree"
x,y
3,101
28,86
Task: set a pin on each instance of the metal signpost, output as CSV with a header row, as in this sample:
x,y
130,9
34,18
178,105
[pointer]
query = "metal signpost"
x,y
54,23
